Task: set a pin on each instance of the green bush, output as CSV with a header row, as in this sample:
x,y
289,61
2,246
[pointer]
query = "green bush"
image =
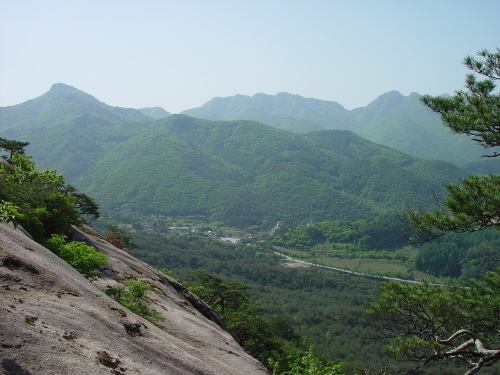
x,y
44,203
8,213
84,258
304,364
134,296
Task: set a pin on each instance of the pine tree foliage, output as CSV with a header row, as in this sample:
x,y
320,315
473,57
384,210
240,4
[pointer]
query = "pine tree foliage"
x,y
476,111
13,146
435,323
473,204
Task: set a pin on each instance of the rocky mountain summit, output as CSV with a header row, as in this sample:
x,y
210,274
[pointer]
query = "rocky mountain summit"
x,y
55,321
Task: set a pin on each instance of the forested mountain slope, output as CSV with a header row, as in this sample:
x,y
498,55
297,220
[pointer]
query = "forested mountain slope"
x,y
245,173
393,120
284,111
241,172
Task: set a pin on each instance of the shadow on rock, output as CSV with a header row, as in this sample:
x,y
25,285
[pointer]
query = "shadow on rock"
x,y
12,368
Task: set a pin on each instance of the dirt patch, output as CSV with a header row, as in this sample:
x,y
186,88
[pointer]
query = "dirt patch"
x,y
294,264
419,275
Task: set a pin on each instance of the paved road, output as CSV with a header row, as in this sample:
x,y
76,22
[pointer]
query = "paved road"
x,y
289,258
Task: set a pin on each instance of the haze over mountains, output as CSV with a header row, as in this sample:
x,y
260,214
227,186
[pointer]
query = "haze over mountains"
x,y
242,172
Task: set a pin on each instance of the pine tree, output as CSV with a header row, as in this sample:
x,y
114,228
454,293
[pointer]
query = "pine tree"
x,y
430,323
473,204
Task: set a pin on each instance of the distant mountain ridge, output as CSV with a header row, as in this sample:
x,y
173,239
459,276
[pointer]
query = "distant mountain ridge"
x,y
283,111
393,120
241,172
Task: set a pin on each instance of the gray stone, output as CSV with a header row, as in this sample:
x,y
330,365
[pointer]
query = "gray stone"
x,y
54,321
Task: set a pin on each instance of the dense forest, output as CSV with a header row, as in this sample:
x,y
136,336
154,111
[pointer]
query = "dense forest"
x,y
244,174
280,291
461,256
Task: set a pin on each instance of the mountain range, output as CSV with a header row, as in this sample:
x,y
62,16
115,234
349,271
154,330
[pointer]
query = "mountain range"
x,y
393,120
241,172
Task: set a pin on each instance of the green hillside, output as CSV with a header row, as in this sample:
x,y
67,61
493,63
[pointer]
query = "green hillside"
x,y
403,123
245,173
240,172
393,120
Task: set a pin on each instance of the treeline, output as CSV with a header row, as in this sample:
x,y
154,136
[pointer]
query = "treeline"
x,y
41,201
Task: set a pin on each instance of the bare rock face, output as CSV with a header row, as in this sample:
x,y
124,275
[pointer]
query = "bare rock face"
x,y
54,321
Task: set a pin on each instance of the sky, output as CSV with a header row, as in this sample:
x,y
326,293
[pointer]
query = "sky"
x,y
180,54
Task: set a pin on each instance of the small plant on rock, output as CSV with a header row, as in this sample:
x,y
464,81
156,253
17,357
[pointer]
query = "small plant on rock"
x,y
134,296
8,213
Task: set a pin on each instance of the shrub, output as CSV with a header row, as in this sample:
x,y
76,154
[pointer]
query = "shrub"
x,y
134,296
84,258
8,213
304,364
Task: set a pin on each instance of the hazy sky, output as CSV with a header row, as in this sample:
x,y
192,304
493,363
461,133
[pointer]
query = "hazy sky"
x,y
180,54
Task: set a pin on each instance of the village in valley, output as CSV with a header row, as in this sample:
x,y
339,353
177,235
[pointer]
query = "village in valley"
x,y
181,225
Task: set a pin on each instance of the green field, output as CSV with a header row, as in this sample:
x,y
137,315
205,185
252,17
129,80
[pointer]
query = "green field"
x,y
377,267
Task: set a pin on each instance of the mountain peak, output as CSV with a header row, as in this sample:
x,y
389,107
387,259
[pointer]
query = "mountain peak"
x,y
60,92
156,113
393,94
390,99
62,86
